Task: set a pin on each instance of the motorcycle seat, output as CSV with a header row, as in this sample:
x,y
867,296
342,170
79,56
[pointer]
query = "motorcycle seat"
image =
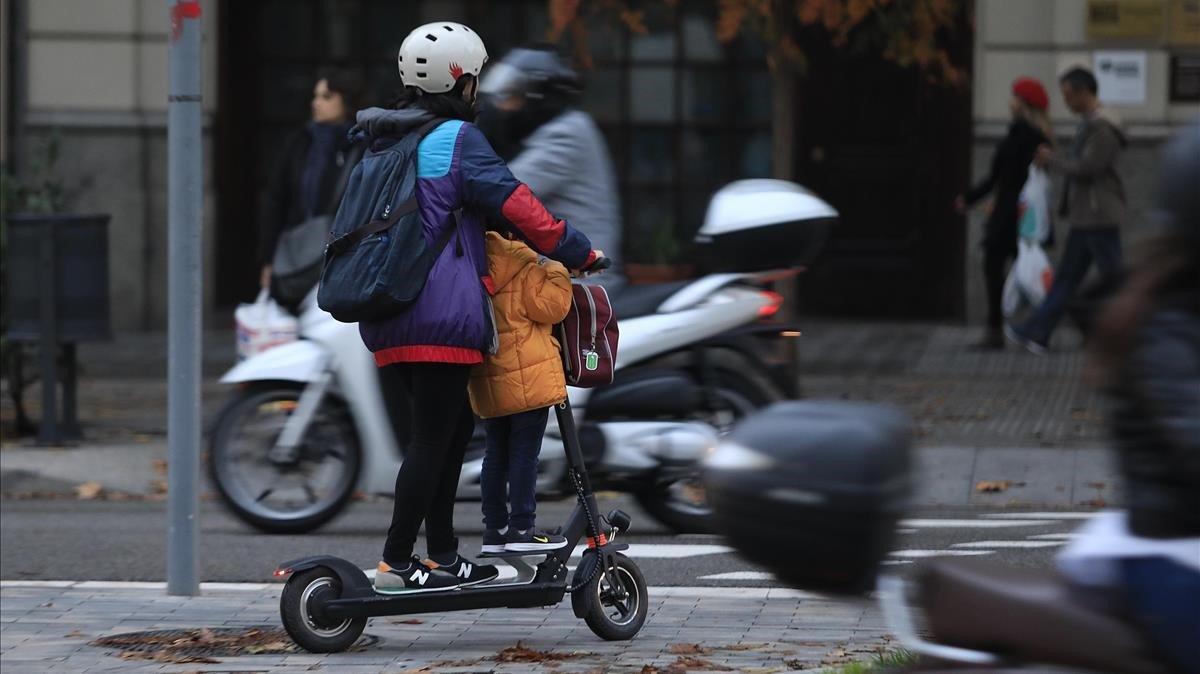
x,y
1027,615
642,300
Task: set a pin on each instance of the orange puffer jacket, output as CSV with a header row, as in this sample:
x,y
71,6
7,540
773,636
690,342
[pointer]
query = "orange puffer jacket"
x,y
531,296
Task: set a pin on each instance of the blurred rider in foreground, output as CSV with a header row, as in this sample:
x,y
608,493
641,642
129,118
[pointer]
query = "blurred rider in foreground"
x,y
1147,349
557,150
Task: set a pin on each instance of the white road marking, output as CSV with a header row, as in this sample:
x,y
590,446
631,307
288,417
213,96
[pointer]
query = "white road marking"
x,y
972,524
740,575
1043,516
921,554
895,562
1009,544
667,551
1056,537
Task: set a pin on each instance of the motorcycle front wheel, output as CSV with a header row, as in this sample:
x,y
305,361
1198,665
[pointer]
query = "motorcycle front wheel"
x,y
283,493
681,502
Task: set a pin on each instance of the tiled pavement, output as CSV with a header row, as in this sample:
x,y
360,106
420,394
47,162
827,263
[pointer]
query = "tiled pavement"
x,y
48,629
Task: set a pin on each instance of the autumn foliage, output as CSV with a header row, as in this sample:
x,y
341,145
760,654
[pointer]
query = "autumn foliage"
x,y
906,32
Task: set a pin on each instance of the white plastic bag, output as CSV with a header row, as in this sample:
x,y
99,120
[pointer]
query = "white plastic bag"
x,y
263,325
1033,207
1029,279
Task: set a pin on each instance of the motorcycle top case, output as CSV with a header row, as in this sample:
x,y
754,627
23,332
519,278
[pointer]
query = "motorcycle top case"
x,y
378,260
813,490
757,225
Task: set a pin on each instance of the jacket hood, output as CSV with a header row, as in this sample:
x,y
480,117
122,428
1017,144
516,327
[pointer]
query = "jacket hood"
x,y
377,122
507,258
1105,115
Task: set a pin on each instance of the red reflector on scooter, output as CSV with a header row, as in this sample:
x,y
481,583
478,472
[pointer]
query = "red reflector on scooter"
x,y
280,573
774,302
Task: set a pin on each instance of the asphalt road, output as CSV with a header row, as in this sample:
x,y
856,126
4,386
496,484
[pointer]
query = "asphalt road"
x,y
125,541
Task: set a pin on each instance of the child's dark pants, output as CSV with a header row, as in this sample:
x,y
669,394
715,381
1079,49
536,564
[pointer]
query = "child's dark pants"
x,y
513,444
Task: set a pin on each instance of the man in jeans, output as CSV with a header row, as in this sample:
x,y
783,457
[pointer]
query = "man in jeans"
x,y
1093,200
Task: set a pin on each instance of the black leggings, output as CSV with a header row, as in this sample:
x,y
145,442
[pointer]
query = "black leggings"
x,y
995,271
426,485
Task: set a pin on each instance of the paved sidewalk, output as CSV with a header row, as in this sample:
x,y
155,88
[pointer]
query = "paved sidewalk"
x,y
48,628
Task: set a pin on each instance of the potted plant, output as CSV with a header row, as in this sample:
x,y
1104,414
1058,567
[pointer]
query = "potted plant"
x,y
658,258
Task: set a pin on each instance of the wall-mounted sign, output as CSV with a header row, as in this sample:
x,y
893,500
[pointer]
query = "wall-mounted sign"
x,y
1121,76
1126,19
1184,23
1185,79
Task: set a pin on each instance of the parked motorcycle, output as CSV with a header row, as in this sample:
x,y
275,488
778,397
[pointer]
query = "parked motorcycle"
x,y
834,478
311,422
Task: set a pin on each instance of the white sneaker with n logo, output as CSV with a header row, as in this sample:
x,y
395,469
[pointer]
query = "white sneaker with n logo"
x,y
416,577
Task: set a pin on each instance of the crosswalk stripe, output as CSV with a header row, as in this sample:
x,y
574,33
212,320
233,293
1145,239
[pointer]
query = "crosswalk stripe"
x,y
1009,544
921,554
972,524
1043,516
740,575
1056,537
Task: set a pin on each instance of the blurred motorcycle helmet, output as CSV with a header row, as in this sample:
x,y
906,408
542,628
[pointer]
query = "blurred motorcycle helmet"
x,y
435,55
527,88
1180,182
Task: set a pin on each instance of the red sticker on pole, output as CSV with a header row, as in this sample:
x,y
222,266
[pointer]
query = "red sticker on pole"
x,y
183,9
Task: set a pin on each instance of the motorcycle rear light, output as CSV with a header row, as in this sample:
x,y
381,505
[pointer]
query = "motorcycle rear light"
x,y
280,573
774,302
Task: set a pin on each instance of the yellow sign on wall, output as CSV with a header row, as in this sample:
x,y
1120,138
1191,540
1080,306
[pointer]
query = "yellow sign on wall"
x,y
1126,19
1184,23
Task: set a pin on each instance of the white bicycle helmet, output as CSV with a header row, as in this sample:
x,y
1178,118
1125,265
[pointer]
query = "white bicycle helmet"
x,y
434,56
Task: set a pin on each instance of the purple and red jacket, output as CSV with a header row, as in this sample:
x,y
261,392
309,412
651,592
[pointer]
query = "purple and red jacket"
x,y
451,321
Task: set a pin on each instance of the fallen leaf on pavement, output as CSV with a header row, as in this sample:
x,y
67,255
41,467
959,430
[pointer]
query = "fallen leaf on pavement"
x,y
89,490
762,670
1095,503
993,485
522,653
650,669
688,649
74,633
794,664
685,663
743,647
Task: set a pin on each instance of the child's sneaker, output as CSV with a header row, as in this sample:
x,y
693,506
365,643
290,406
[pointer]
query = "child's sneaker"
x,y
469,573
493,542
532,540
416,577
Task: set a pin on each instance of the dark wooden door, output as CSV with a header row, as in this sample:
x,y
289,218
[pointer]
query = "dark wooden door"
x,y
890,150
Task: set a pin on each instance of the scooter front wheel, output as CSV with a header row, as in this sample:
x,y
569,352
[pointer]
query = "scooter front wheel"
x,y
614,604
300,609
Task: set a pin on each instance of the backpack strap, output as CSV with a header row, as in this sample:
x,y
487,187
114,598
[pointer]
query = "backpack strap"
x,y
354,237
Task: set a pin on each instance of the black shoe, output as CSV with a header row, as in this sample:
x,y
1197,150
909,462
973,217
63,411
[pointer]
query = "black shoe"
x,y
1017,335
416,577
532,540
469,573
493,542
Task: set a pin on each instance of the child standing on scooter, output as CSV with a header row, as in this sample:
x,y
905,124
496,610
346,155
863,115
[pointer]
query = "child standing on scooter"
x,y
514,389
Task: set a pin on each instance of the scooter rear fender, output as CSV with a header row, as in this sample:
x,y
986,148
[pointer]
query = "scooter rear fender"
x,y
300,361
354,582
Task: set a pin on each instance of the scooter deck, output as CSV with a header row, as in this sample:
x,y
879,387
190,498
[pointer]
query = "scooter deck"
x,y
507,595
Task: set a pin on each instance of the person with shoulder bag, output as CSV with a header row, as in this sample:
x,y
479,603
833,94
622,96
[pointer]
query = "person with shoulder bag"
x,y
306,188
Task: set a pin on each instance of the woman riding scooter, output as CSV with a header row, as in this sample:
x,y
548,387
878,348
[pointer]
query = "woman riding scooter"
x,y
433,344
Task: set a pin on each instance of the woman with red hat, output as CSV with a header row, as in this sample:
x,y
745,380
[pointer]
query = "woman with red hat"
x,y
1029,129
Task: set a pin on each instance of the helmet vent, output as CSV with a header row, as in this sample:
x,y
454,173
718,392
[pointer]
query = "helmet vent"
x,y
422,61
431,37
421,75
449,28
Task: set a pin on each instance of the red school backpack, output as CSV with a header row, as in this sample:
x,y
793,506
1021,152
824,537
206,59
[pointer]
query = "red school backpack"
x,y
588,337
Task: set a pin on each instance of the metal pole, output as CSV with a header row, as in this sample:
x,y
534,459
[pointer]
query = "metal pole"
x,y
49,434
184,185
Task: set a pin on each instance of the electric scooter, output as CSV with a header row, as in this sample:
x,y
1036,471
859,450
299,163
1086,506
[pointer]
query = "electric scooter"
x,y
327,600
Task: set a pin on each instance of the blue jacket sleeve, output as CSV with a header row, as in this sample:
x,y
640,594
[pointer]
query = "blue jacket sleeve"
x,y
488,185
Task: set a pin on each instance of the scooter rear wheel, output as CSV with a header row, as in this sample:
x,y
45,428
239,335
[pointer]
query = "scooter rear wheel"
x,y
299,607
614,605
